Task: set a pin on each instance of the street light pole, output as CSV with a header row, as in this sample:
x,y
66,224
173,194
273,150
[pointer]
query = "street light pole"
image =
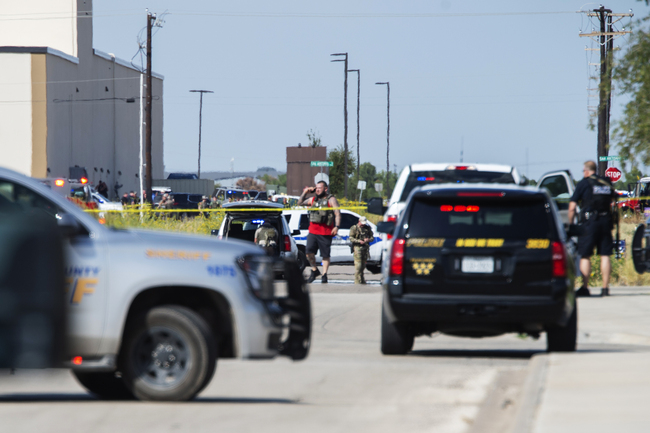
x,y
387,137
200,122
358,98
345,118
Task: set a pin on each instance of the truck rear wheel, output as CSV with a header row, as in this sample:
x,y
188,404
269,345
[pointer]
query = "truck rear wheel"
x,y
396,338
106,386
563,338
169,354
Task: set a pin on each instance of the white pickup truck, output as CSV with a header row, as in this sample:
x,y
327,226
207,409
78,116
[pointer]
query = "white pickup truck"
x,y
149,312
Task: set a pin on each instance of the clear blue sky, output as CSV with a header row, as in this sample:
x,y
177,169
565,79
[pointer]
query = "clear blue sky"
x,y
502,84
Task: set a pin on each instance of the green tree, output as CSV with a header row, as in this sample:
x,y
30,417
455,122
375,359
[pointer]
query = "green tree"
x,y
631,176
314,138
632,74
282,180
369,174
268,179
337,176
388,181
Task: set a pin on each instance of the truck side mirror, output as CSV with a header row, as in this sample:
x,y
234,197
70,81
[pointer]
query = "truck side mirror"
x,y
376,206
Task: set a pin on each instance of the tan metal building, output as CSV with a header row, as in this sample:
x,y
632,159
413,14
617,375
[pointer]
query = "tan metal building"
x,y
63,103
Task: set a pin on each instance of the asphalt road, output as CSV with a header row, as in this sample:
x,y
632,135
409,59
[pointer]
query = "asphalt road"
x,y
446,384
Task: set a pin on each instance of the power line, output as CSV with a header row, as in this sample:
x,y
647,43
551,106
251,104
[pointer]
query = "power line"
x,y
53,16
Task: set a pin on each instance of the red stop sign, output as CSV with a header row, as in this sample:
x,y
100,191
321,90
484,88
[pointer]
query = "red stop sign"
x,y
613,173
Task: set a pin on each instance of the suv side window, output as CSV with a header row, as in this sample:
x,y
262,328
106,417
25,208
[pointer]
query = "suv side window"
x,y
348,220
304,222
557,187
17,198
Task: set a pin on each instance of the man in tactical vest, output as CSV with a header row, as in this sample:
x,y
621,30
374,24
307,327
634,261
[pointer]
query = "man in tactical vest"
x,y
266,236
323,226
595,195
360,236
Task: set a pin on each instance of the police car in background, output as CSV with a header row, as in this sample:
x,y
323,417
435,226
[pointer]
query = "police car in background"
x,y
478,261
149,312
340,252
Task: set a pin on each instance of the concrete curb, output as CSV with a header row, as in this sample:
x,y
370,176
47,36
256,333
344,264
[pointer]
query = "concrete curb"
x,y
531,394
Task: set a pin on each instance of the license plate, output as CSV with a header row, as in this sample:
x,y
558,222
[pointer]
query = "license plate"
x,y
477,265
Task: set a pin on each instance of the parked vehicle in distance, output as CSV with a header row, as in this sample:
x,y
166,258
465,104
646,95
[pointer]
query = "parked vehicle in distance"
x,y
560,185
186,201
233,194
478,261
182,176
105,204
242,219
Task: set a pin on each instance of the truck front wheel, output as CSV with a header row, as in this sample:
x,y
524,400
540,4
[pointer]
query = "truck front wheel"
x,y
169,354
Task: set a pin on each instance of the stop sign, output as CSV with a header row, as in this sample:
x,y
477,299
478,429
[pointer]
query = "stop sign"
x,y
613,173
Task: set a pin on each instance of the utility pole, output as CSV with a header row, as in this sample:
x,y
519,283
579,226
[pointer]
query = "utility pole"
x,y
200,122
605,38
358,98
345,117
387,136
150,20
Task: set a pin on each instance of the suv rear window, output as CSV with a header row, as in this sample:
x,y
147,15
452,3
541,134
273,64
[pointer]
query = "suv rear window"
x,y
419,178
480,218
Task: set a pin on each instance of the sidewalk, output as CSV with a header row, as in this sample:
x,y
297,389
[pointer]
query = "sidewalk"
x,y
605,385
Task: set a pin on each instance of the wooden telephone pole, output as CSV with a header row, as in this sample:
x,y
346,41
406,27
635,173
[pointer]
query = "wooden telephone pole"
x,y
605,38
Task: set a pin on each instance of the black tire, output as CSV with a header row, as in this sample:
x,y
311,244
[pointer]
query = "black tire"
x,y
302,261
106,386
396,338
564,338
375,269
168,354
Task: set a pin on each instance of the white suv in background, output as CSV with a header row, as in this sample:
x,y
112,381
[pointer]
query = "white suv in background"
x,y
340,252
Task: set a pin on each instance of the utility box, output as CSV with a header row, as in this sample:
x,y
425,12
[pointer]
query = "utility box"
x,y
300,173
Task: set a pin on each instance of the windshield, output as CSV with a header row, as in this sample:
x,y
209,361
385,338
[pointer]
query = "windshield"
x,y
476,218
419,178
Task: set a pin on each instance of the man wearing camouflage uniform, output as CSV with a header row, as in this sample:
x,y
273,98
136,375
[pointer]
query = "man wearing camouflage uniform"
x,y
266,236
360,236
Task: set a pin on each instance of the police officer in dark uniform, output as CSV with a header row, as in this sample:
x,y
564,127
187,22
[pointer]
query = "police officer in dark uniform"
x,y
595,195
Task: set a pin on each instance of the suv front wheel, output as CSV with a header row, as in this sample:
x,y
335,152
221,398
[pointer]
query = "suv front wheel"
x,y
396,338
169,354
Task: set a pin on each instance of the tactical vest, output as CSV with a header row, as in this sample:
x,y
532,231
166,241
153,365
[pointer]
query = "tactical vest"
x,y
321,216
267,236
601,195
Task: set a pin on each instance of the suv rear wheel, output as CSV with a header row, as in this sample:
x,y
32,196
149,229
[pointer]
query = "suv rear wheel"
x,y
169,354
396,338
563,338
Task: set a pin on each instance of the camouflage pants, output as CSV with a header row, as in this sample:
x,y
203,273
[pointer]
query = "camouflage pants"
x,y
360,258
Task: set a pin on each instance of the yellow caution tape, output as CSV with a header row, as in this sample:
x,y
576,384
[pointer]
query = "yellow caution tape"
x,y
194,211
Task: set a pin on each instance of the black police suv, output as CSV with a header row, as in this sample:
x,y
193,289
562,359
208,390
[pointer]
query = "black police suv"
x,y
478,261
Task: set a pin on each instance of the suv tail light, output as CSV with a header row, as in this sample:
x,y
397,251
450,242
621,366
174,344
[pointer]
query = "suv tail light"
x,y
391,218
287,243
397,257
559,260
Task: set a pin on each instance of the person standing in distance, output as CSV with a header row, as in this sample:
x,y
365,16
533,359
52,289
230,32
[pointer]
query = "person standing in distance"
x,y
323,226
360,236
595,195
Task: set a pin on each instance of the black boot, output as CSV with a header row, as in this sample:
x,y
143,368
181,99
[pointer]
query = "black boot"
x,y
314,274
583,292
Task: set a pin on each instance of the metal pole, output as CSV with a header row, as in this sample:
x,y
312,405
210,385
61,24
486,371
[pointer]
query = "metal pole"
x,y
200,123
345,119
358,98
150,20
140,128
387,136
